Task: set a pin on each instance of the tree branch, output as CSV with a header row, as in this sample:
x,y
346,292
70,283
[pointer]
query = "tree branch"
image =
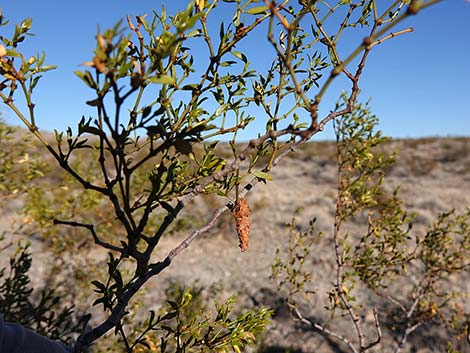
x,y
91,229
323,329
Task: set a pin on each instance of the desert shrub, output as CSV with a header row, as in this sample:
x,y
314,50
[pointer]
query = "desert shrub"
x,y
18,166
414,276
151,147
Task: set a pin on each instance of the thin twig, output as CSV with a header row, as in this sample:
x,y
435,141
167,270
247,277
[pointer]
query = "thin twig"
x,y
91,229
6,246
379,332
405,335
323,329
409,329
185,243
390,36
275,11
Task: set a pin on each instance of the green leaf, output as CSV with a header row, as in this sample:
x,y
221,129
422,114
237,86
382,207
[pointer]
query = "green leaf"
x,y
163,79
12,52
47,68
227,63
86,77
125,68
240,56
257,10
262,175
223,108
162,345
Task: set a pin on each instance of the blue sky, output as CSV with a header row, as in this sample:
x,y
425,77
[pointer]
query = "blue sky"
x,y
419,83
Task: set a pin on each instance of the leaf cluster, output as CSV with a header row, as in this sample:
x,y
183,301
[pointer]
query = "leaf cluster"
x,y
187,324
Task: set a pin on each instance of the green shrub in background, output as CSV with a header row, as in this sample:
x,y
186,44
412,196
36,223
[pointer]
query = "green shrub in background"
x,y
411,273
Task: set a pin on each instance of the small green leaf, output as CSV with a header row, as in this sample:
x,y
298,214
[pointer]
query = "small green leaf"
x,y
12,52
47,68
257,10
163,79
262,175
227,63
86,77
240,56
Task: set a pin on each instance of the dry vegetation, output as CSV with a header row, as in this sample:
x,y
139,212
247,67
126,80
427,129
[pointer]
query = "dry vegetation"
x,y
434,177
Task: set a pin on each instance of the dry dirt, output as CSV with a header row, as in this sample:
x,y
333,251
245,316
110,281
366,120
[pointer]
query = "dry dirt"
x,y
434,176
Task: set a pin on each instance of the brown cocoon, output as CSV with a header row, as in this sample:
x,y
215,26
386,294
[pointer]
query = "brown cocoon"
x,y
242,222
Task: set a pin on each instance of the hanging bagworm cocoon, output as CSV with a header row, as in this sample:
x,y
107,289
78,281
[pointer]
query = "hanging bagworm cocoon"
x,y
242,222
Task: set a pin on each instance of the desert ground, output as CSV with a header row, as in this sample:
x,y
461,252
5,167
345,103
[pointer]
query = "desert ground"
x,y
433,175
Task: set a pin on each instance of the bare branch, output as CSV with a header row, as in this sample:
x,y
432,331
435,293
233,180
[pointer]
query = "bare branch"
x,y
405,335
323,329
390,36
379,332
91,229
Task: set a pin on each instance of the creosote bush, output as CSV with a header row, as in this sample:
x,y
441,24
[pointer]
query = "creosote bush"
x,y
409,272
151,149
